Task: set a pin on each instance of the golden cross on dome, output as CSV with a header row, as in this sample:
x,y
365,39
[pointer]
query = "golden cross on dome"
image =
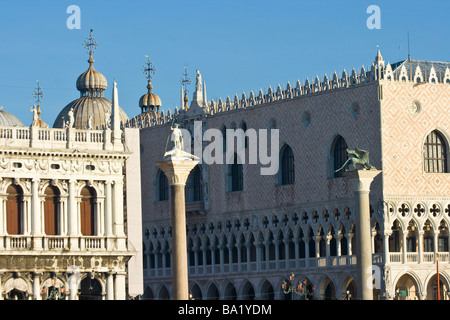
x,y
148,69
38,93
185,81
90,44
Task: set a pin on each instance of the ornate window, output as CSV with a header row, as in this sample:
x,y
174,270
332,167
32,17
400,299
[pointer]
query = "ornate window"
x,y
339,154
287,166
194,185
235,175
51,211
14,210
163,187
435,153
88,211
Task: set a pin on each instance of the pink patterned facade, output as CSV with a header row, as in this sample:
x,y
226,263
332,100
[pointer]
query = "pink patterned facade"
x,y
244,244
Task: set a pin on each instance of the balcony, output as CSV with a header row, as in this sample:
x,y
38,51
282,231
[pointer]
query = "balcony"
x,y
52,243
54,138
415,257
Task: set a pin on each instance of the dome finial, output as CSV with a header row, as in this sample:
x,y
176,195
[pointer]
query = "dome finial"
x,y
148,69
38,94
90,45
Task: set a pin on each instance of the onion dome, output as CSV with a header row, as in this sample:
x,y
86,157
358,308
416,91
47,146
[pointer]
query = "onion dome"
x,y
91,104
149,101
91,83
8,120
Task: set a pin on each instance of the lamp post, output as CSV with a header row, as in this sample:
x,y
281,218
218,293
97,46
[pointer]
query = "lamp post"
x,y
301,289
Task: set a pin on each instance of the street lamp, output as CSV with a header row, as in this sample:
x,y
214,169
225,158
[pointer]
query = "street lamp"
x,y
53,292
301,289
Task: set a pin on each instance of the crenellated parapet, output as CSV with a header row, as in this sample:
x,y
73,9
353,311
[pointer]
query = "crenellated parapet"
x,y
407,71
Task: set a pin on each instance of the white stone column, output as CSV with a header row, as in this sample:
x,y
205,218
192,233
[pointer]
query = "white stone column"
x,y
36,215
177,170
306,242
72,210
119,286
361,181
386,247
36,286
349,243
404,249
435,244
110,286
318,238
108,215
420,244
118,215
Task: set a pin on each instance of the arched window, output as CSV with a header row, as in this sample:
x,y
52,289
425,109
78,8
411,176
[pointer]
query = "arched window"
x,y
51,211
235,176
14,210
194,185
435,153
224,137
287,166
163,186
244,128
88,211
339,155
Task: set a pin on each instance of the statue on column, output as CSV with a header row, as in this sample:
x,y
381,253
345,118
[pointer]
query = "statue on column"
x,y
177,151
360,157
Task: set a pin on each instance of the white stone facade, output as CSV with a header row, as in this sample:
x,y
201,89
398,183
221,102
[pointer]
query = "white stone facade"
x,y
79,242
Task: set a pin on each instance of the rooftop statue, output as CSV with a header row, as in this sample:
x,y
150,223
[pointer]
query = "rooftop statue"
x,y
360,157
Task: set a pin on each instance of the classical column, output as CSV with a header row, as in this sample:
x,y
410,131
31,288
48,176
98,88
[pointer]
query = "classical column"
x,y
306,243
420,245
328,238
35,215
386,255
110,286
108,215
118,215
119,286
361,181
177,171
349,244
37,286
72,216
404,248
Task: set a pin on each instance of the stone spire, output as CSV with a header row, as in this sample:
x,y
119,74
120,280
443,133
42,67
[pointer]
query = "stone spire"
x,y
115,123
379,59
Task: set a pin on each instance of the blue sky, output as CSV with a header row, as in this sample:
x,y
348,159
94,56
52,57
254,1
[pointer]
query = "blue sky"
x,y
238,45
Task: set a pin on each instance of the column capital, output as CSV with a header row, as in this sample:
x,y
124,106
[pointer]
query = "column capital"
x,y
177,171
361,179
